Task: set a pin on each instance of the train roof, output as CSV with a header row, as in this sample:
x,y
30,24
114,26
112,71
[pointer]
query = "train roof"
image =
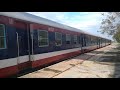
x,y
36,19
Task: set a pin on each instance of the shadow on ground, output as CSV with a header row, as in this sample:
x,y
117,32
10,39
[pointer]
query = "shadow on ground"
x,y
114,57
108,57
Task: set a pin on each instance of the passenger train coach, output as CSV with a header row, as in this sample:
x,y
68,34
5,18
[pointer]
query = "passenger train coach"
x,y
28,41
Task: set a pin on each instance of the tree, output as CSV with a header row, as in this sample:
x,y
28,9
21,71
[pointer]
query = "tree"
x,y
117,36
111,24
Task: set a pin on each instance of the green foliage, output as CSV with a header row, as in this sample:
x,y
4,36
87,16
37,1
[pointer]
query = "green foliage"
x,y
111,24
117,36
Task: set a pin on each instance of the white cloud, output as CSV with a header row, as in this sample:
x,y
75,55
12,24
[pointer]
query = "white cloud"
x,y
50,15
87,21
81,21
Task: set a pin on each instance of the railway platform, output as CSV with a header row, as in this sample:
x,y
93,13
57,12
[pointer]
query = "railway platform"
x,y
100,63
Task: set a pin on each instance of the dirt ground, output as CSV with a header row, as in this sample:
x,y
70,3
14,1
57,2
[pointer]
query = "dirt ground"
x,y
100,63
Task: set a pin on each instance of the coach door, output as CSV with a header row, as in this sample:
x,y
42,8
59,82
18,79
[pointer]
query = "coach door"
x,y
23,47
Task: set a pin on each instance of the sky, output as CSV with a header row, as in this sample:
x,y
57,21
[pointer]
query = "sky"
x,y
87,21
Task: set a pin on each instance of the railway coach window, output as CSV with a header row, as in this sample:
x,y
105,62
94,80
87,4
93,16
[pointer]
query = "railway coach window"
x,y
58,39
2,37
42,38
75,39
68,39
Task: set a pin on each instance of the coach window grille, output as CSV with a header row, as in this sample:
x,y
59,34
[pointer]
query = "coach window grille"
x,y
75,39
92,41
2,37
80,40
43,38
68,39
89,41
58,39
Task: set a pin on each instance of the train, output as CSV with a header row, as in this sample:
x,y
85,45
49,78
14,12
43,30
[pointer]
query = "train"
x,y
28,41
